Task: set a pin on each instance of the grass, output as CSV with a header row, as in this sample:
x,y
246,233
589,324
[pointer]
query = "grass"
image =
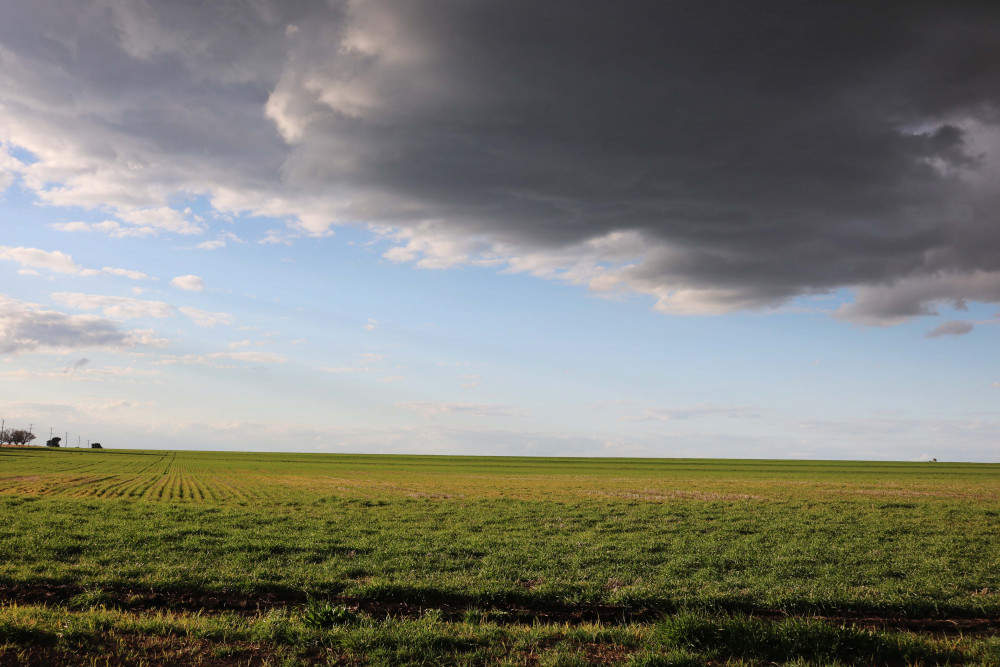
x,y
288,637
676,560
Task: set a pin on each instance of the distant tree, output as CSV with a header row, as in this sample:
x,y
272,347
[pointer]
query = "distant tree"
x,y
21,437
96,445
5,436
54,442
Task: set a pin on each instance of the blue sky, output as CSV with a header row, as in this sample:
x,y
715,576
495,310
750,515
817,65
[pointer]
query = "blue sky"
x,y
314,230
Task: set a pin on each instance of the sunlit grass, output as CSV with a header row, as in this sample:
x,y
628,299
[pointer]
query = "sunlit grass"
x,y
287,636
709,538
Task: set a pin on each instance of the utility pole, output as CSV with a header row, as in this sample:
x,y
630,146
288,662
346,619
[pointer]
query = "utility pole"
x,y
78,442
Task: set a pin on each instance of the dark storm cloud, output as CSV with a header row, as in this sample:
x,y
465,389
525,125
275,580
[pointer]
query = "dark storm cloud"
x,y
717,155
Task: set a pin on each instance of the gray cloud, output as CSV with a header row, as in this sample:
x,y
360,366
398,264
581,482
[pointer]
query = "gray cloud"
x,y
951,328
917,296
715,156
27,328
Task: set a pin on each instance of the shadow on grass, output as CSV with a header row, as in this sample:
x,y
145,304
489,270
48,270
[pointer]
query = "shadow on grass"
x,y
754,639
516,606
17,634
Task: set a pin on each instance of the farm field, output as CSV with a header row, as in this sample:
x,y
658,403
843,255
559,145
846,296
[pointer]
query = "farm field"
x,y
237,558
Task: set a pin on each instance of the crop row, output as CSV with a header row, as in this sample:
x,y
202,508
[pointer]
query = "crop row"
x,y
166,476
220,476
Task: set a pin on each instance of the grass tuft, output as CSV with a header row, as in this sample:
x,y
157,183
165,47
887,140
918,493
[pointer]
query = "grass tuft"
x,y
323,615
91,598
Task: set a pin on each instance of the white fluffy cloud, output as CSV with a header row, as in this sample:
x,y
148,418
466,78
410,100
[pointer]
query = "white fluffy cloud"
x,y
59,262
125,273
118,307
110,227
9,168
190,283
55,261
159,218
149,221
219,242
126,308
205,318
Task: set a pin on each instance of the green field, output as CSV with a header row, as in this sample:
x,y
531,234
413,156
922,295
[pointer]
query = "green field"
x,y
237,558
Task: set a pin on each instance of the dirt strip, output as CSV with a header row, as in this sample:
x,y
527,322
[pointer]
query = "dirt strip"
x,y
258,603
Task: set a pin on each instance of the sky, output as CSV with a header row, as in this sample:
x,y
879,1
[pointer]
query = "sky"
x,y
657,229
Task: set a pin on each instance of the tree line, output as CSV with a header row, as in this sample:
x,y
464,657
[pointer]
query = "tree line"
x,y
16,436
19,436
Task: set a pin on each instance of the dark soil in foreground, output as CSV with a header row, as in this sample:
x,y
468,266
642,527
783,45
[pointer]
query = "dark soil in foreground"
x,y
257,603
